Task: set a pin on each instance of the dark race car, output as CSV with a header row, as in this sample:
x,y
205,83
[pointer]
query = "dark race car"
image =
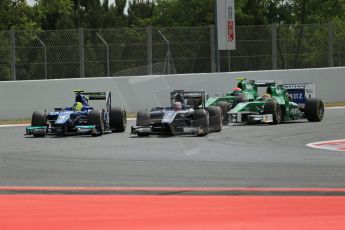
x,y
81,118
186,115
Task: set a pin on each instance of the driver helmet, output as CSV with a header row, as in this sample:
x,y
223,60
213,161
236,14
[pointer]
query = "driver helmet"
x,y
266,95
78,106
236,91
177,106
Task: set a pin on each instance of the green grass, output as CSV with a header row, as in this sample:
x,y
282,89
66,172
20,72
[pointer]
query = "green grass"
x,y
14,122
332,104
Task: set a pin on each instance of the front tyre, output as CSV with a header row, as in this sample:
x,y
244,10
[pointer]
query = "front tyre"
x,y
95,118
38,119
272,107
215,118
201,121
225,108
143,120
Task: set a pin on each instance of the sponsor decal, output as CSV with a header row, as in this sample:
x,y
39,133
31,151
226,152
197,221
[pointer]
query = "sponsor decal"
x,y
293,86
231,32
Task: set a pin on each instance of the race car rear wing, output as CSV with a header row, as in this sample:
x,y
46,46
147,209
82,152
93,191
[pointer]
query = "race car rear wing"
x,y
263,83
196,99
96,96
300,92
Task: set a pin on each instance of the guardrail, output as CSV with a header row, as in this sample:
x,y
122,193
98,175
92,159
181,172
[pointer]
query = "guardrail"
x,y
20,98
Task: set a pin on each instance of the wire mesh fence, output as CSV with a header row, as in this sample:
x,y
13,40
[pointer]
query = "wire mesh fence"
x,y
82,53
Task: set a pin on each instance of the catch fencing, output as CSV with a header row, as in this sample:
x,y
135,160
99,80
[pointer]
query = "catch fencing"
x,y
84,53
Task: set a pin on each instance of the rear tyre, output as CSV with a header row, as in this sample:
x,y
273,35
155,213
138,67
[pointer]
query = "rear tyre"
x,y
272,107
201,120
215,118
314,110
118,119
38,119
143,119
95,119
238,99
225,108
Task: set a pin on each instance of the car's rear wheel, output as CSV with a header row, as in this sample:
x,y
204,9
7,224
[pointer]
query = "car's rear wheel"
x,y
201,121
314,110
118,119
272,107
38,119
215,118
95,118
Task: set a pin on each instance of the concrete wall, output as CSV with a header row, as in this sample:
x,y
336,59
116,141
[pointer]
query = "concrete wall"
x,y
20,98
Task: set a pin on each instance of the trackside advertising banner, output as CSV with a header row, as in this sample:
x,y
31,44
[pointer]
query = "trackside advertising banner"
x,y
226,25
299,93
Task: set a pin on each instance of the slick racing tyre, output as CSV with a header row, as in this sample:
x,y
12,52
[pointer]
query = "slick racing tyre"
x,y
238,99
225,108
314,110
201,121
143,120
215,118
118,119
38,119
95,118
272,107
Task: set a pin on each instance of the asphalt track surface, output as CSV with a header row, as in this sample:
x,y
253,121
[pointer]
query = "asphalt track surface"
x,y
241,156
246,177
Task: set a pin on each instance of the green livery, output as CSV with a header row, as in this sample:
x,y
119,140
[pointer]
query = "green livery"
x,y
231,99
276,107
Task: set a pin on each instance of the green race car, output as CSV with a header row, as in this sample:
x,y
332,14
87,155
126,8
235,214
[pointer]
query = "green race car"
x,y
244,91
276,107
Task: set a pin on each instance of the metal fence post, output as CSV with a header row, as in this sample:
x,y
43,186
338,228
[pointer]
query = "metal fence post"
x,y
45,57
213,49
13,52
274,46
149,50
107,46
81,53
330,44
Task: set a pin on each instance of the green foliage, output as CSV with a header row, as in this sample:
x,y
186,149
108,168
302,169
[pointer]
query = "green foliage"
x,y
190,49
17,15
183,13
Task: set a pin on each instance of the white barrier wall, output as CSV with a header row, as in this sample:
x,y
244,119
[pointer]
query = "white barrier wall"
x,y
18,99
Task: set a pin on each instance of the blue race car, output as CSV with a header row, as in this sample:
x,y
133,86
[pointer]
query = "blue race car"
x,y
81,118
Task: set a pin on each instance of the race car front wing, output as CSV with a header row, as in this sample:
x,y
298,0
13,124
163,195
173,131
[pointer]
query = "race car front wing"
x,y
250,117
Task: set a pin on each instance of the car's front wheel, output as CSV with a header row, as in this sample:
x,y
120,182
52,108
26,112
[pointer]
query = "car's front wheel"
x,y
38,119
95,118
272,107
201,121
